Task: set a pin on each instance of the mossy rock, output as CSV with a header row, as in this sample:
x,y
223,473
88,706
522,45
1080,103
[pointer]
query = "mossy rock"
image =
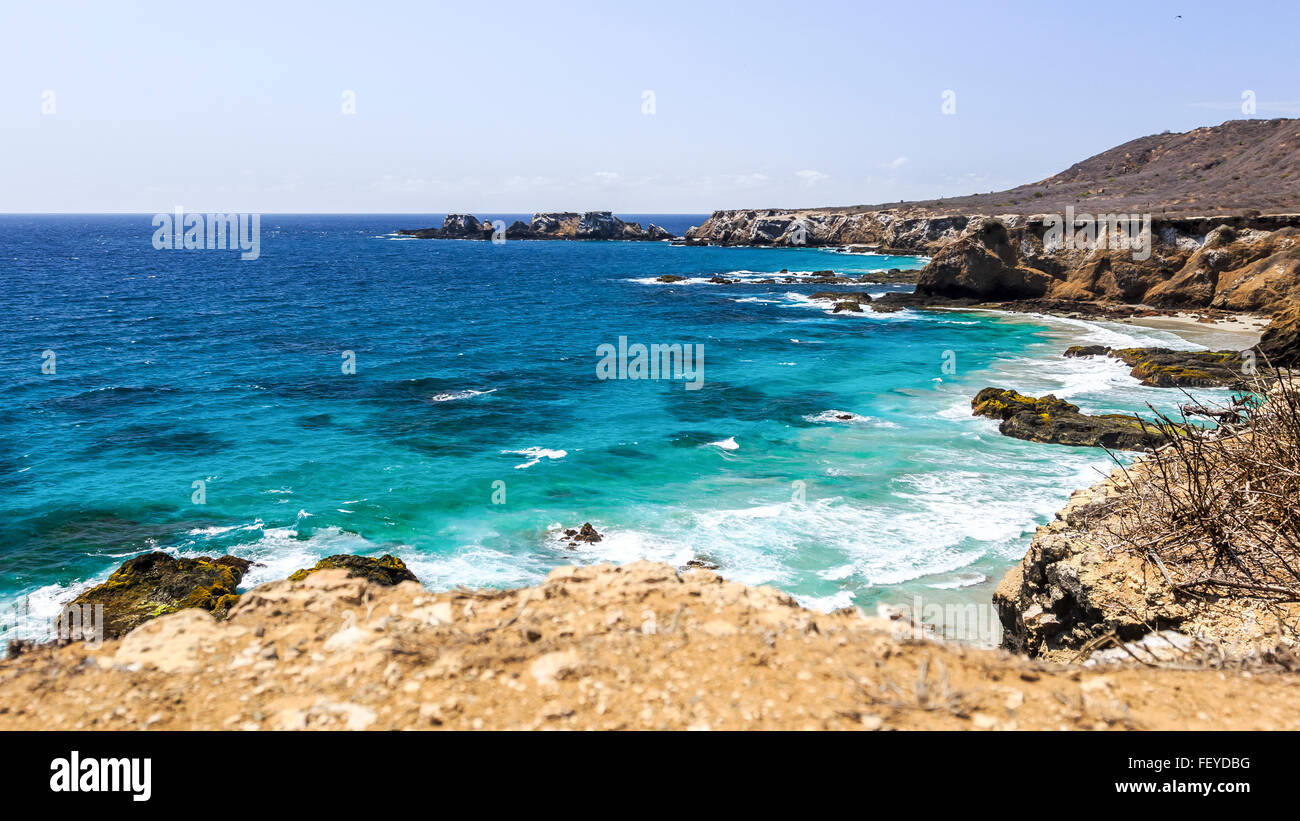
x,y
1086,350
155,584
1166,368
387,570
1001,403
1056,421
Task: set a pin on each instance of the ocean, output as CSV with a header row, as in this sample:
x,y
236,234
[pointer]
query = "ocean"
x,y
353,391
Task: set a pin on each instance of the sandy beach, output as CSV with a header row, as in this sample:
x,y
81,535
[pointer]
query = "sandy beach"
x,y
1239,332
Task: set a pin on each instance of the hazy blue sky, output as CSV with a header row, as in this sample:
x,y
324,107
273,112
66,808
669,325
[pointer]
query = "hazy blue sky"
x,y
504,106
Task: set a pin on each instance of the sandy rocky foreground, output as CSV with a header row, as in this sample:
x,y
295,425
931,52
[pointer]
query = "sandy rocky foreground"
x,y
633,647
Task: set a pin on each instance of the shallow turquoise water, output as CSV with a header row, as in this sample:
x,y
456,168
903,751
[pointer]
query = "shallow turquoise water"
x,y
476,374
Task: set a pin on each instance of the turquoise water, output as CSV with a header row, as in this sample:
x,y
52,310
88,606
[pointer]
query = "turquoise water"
x,y
475,428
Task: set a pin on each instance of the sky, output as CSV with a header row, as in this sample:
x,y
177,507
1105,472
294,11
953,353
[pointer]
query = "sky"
x,y
666,107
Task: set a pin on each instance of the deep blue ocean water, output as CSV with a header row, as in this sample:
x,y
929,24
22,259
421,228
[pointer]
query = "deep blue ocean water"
x,y
475,428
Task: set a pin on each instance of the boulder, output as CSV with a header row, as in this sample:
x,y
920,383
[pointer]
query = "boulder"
x,y
1059,422
586,533
386,570
837,296
155,584
1086,350
982,265
1165,368
700,564
463,226
520,230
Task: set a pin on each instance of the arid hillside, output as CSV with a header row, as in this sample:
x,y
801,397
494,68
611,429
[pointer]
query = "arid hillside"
x,y
1231,168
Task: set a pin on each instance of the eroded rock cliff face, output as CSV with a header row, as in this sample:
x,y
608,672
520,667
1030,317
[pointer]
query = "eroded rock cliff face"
x,y
1233,263
1078,589
887,230
1223,205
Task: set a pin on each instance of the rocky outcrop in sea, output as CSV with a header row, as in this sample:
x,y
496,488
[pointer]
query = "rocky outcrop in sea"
x,y
1056,421
559,225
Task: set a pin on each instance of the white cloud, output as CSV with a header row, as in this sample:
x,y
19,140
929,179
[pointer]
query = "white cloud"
x,y
607,177
810,177
897,162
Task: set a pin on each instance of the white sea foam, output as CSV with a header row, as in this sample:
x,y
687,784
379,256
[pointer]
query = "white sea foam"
x,y
454,395
959,580
726,444
535,455
32,615
838,417
826,604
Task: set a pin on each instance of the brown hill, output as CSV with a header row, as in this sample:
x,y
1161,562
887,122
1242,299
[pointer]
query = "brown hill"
x,y
1238,166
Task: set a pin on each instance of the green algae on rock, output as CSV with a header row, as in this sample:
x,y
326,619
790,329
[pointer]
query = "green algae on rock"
x,y
1167,368
386,569
1056,421
155,584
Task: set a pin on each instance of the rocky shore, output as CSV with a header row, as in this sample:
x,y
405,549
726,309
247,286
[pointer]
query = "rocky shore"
x,y
601,225
1187,552
1076,593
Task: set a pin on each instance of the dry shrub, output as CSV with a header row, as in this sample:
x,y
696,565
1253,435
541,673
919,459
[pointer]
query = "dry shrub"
x,y
1217,510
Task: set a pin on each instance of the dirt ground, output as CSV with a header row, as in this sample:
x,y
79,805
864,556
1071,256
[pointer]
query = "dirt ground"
x,y
632,647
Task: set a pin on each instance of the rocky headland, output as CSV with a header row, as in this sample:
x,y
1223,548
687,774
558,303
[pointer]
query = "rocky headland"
x,y
1169,224
601,225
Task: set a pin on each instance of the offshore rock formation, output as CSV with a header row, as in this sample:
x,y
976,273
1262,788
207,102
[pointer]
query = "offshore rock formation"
x,y
633,647
561,225
1166,368
1059,422
155,584
386,570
